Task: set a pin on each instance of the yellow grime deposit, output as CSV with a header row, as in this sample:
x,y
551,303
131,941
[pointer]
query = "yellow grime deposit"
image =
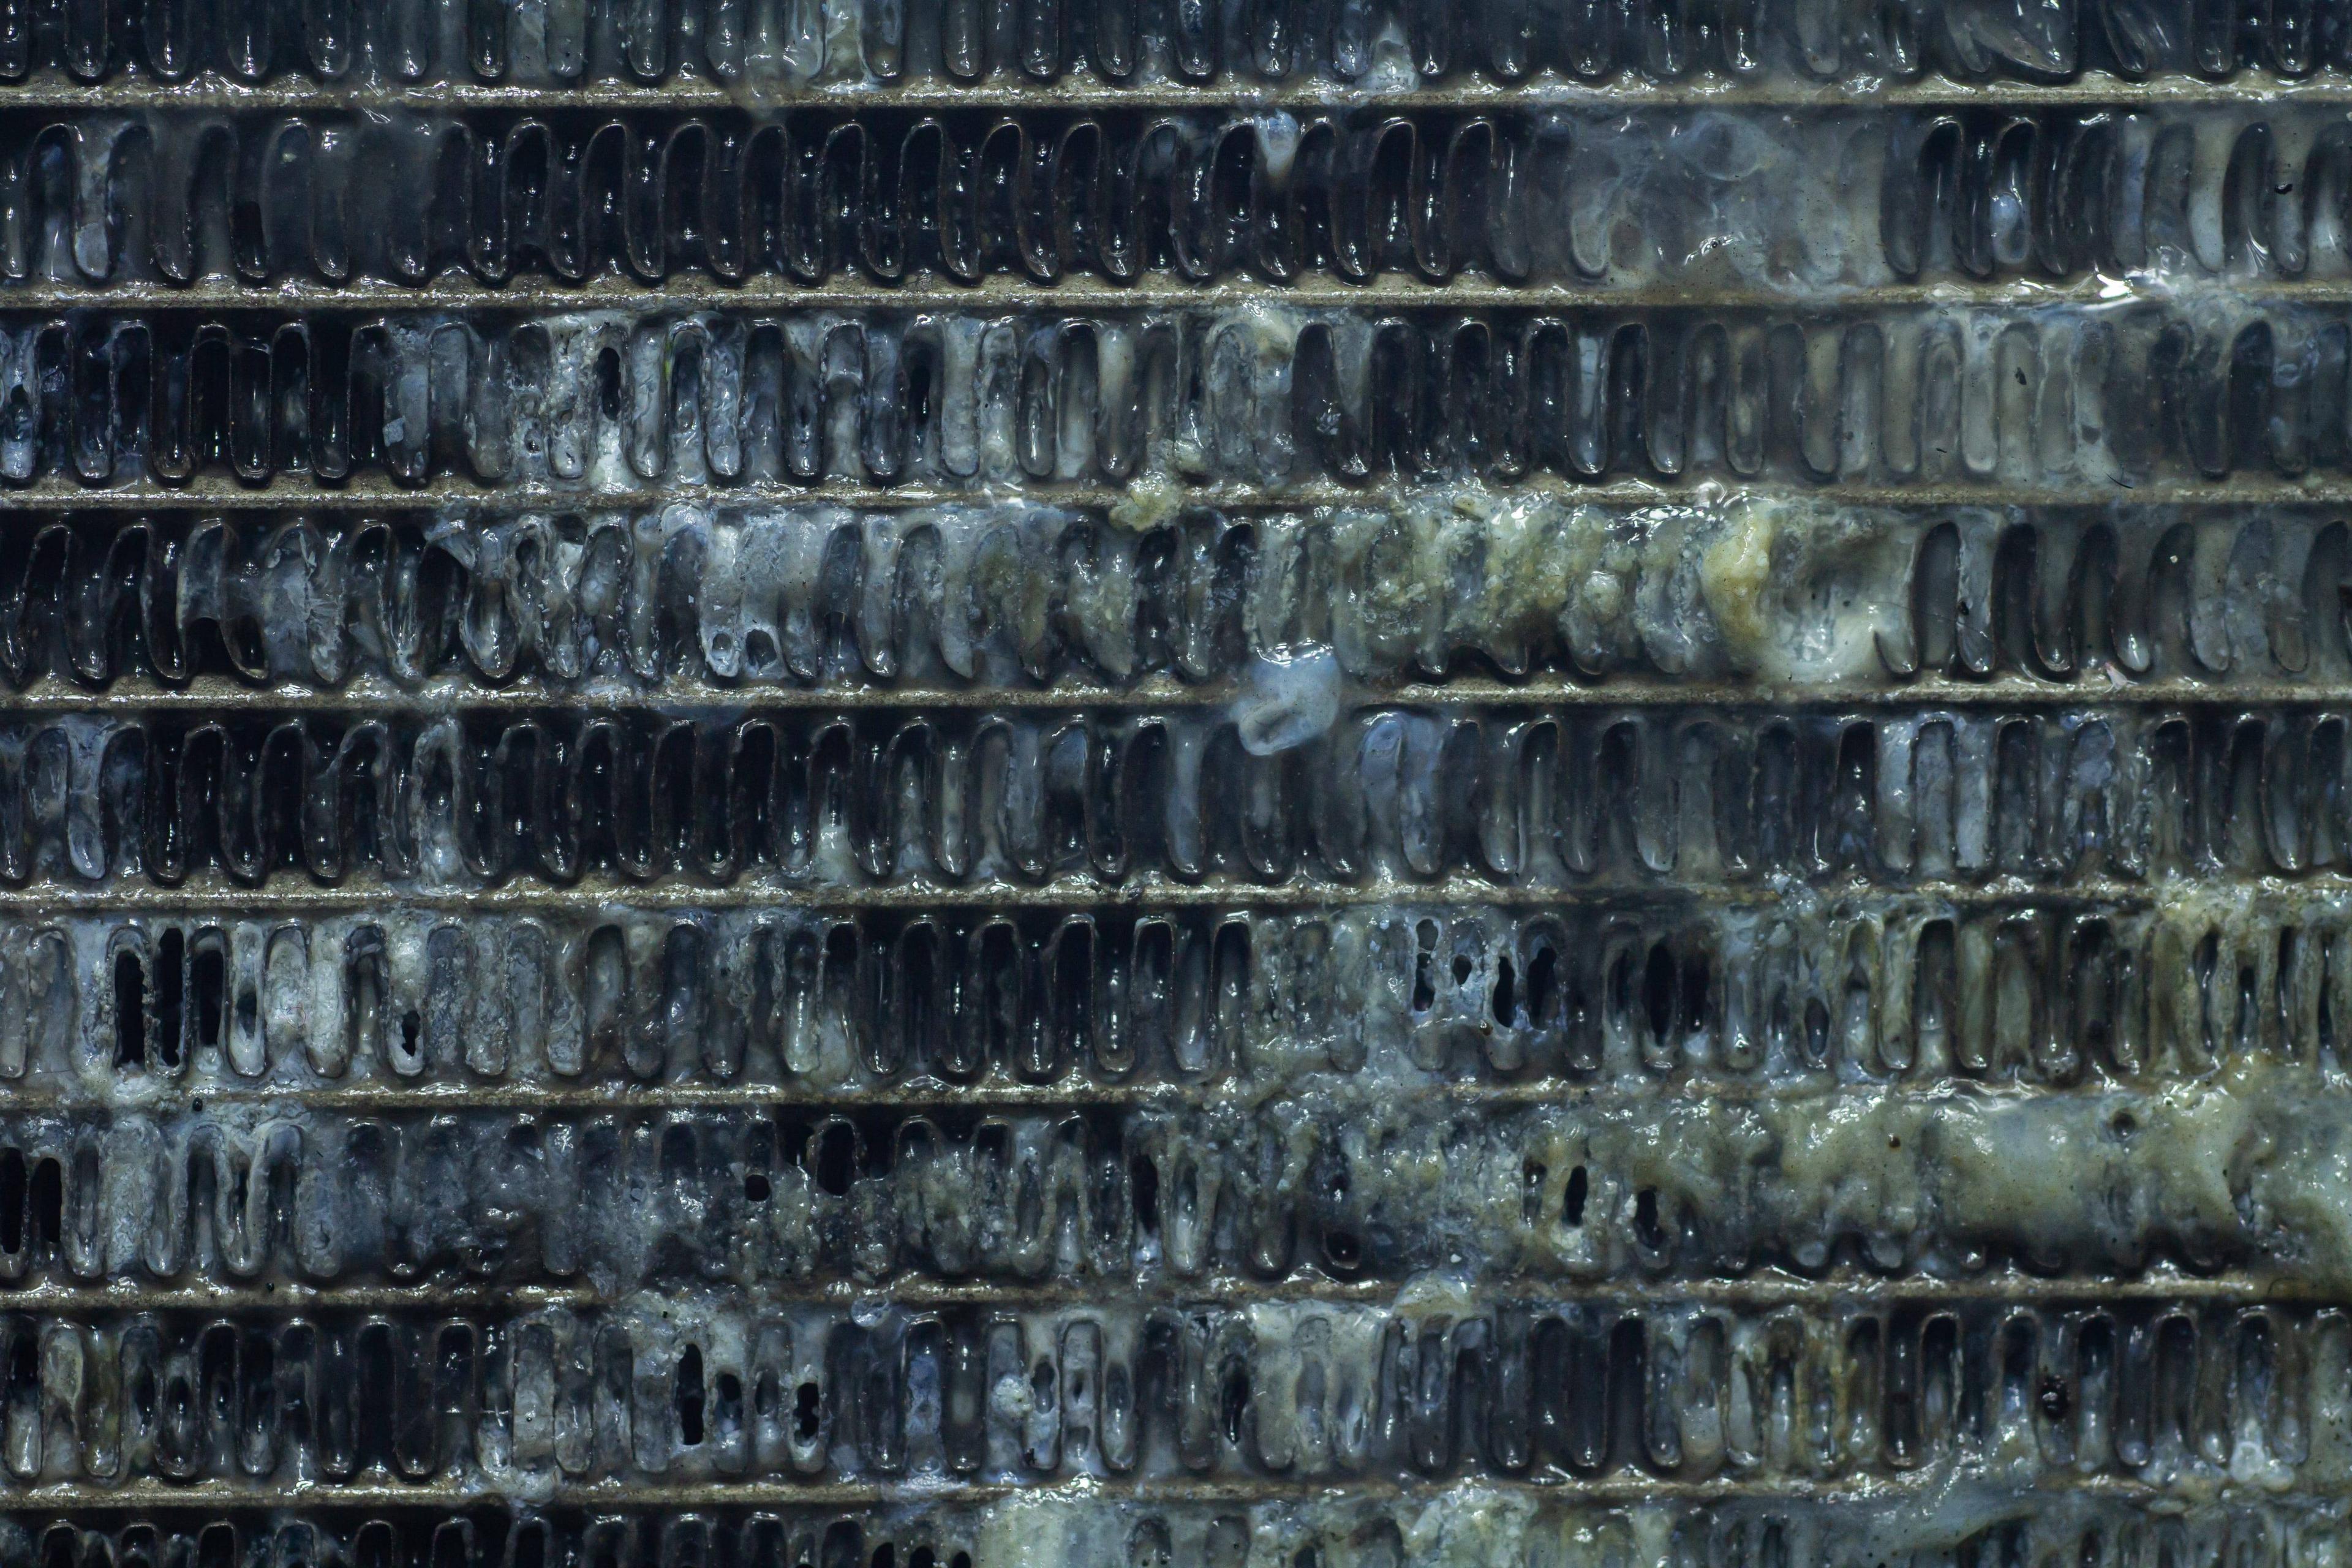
x,y
1151,501
1735,572
1471,1527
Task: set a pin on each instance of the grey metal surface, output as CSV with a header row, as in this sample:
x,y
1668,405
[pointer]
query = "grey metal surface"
x,y
1277,785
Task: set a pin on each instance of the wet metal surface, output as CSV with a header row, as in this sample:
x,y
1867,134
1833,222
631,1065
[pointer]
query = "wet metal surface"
x,y
789,784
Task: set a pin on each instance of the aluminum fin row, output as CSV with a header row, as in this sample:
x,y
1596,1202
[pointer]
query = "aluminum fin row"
x,y
959,599
673,1392
1366,1530
2186,391
1660,996
772,45
1291,789
1712,198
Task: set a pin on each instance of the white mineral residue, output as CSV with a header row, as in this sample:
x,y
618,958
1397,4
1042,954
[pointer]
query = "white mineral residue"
x,y
1290,699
